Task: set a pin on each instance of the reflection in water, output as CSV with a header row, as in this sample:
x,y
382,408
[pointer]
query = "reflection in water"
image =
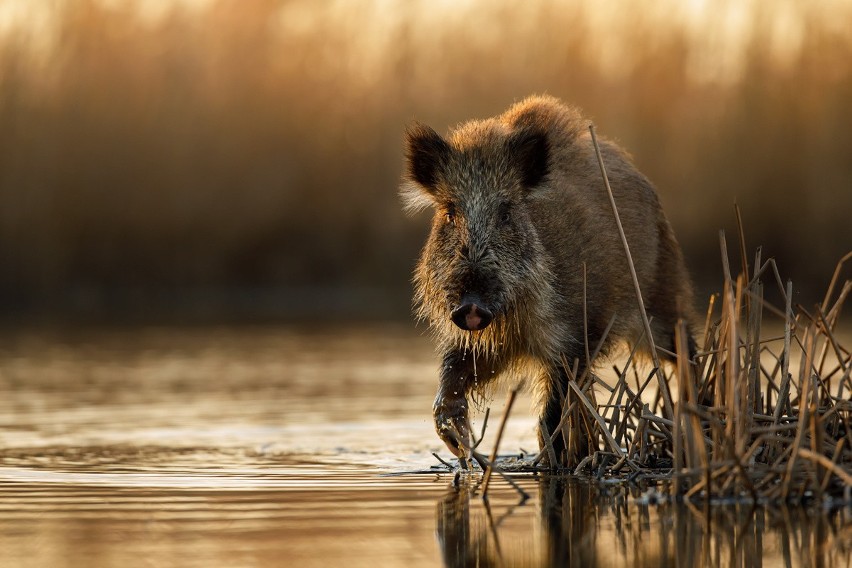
x,y
579,524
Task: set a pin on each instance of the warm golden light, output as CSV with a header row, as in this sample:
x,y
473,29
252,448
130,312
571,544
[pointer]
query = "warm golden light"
x,y
717,35
196,140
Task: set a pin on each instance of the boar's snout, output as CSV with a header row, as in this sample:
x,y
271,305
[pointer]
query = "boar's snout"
x,y
470,315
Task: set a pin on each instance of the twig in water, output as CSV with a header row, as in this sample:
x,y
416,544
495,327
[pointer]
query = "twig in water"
x,y
493,527
437,457
485,464
548,447
827,463
484,425
582,464
509,403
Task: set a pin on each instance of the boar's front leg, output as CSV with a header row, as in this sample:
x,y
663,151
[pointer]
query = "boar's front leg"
x,y
461,374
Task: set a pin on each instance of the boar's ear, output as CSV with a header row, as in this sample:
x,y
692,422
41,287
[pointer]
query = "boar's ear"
x,y
530,150
426,153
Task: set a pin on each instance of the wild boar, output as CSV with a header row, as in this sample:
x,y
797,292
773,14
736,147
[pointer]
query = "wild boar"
x,y
523,229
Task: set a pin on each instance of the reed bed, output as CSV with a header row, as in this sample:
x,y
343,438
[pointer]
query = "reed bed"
x,y
756,416
753,416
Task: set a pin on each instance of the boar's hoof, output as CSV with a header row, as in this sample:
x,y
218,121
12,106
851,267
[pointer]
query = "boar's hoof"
x,y
451,423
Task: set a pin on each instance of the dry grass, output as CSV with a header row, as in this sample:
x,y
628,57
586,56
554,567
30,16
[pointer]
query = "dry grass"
x,y
757,417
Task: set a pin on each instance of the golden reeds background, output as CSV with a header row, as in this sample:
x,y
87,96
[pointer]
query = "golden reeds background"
x,y
240,158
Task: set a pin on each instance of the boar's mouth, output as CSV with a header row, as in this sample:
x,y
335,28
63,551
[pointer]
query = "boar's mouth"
x,y
471,314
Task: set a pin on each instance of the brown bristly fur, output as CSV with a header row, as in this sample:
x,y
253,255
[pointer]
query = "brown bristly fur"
x,y
520,210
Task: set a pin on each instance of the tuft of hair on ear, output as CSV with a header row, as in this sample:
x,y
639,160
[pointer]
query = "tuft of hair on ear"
x,y
529,149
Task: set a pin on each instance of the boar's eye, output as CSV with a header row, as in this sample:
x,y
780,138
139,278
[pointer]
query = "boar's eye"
x,y
505,213
450,214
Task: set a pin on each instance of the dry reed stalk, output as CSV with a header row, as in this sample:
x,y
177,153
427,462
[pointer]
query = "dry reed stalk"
x,y
808,438
677,435
834,279
741,234
664,390
688,394
511,400
638,440
835,457
548,443
586,322
482,431
827,463
597,417
785,355
449,465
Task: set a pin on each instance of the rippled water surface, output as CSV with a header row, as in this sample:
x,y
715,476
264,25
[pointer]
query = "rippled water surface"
x,y
282,447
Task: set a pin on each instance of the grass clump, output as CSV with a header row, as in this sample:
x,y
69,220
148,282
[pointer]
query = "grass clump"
x,y
757,416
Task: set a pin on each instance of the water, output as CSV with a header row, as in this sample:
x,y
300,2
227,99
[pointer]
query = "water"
x,y
281,447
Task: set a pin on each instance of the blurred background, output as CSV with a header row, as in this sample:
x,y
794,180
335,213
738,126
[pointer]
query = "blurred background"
x,y
221,160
